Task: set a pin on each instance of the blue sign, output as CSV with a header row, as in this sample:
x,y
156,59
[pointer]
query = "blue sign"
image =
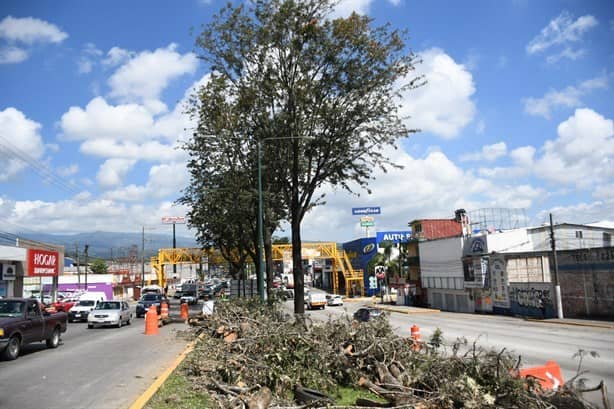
x,y
358,211
393,236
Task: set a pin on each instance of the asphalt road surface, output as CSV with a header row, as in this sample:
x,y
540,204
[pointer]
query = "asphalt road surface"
x,y
101,368
536,342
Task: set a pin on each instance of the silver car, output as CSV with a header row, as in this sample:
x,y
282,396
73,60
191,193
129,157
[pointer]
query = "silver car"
x,y
114,313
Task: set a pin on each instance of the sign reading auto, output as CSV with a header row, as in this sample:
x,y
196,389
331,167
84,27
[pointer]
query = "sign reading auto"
x,y
43,263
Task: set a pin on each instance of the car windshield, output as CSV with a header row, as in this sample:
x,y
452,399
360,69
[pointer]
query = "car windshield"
x,y
10,308
87,303
151,297
108,305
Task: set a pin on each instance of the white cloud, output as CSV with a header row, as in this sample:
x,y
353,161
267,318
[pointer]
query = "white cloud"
x,y
12,55
566,53
117,56
100,120
70,170
19,137
443,106
148,73
113,171
583,153
148,151
346,7
88,58
30,30
570,97
489,153
580,212
562,31
164,180
480,127
428,187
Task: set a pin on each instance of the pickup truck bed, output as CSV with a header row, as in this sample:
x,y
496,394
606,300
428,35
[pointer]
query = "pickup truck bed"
x,y
23,321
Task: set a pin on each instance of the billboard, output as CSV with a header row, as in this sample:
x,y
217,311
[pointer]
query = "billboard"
x,y
393,236
173,219
358,211
43,263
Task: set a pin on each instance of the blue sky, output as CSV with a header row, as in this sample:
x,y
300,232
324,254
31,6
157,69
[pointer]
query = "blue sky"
x,y
518,112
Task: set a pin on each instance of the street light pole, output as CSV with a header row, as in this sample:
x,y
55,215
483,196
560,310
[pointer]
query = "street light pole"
x,y
260,227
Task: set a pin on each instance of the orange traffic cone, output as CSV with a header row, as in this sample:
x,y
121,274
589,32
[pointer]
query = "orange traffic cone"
x,y
151,321
164,311
415,338
184,311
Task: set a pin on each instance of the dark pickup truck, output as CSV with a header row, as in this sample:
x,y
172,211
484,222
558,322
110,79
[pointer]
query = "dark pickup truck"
x,y
23,321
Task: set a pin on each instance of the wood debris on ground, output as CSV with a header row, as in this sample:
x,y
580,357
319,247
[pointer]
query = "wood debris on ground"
x,y
253,355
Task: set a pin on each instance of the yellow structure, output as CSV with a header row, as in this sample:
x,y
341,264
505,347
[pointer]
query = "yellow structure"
x,y
181,256
341,262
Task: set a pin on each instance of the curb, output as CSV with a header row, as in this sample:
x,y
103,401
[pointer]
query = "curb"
x,y
576,324
409,312
142,400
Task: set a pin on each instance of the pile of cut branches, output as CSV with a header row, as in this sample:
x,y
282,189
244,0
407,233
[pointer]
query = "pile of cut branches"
x,y
254,355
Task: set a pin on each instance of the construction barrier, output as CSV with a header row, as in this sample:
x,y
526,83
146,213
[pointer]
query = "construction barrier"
x,y
549,375
151,321
415,338
184,311
164,311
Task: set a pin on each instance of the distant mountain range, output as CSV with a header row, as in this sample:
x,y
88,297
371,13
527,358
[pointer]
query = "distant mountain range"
x,y
110,245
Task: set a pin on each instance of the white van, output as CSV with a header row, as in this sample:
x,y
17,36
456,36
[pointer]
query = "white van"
x,y
87,302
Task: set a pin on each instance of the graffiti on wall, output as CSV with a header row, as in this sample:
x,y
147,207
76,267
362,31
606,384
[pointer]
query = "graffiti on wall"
x,y
499,284
532,299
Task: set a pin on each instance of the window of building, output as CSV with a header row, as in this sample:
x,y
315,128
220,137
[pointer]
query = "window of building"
x,y
417,228
578,234
607,239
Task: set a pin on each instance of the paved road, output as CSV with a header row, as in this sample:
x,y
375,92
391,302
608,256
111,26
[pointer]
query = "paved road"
x,y
102,368
536,342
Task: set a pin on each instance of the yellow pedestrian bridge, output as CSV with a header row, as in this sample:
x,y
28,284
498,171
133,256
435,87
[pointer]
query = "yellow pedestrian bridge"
x,y
341,266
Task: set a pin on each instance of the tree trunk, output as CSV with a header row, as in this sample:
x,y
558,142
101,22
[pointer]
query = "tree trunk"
x,y
295,222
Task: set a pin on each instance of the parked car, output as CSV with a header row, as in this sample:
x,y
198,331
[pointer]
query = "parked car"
x,y
189,299
110,313
334,299
87,302
147,300
23,321
365,314
65,304
315,300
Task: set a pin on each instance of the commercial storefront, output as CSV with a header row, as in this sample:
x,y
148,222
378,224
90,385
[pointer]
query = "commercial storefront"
x,y
24,266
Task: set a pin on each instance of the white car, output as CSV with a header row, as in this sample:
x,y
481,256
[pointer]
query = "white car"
x,y
114,313
334,299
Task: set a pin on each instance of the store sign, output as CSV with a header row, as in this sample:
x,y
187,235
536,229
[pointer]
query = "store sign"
x,y
173,220
393,236
357,211
499,283
7,272
43,263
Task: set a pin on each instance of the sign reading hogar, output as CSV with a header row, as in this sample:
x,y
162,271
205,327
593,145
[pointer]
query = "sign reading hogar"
x,y
43,263
393,236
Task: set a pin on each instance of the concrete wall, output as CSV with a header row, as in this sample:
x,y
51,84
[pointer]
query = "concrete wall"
x,y
532,299
587,282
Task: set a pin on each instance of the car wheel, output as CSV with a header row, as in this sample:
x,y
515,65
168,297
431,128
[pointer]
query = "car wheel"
x,y
12,350
54,340
119,322
90,326
70,320
129,320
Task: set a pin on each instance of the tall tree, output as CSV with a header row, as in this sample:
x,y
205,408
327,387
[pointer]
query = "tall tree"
x,y
319,94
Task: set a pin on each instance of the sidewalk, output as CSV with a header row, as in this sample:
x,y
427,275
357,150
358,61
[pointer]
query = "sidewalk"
x,y
402,309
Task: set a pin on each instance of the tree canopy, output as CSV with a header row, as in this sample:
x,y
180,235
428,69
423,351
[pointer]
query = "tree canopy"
x,y
319,94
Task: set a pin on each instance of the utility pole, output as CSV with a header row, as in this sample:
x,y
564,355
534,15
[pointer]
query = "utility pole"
x,y
557,286
78,266
174,255
85,251
143,258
